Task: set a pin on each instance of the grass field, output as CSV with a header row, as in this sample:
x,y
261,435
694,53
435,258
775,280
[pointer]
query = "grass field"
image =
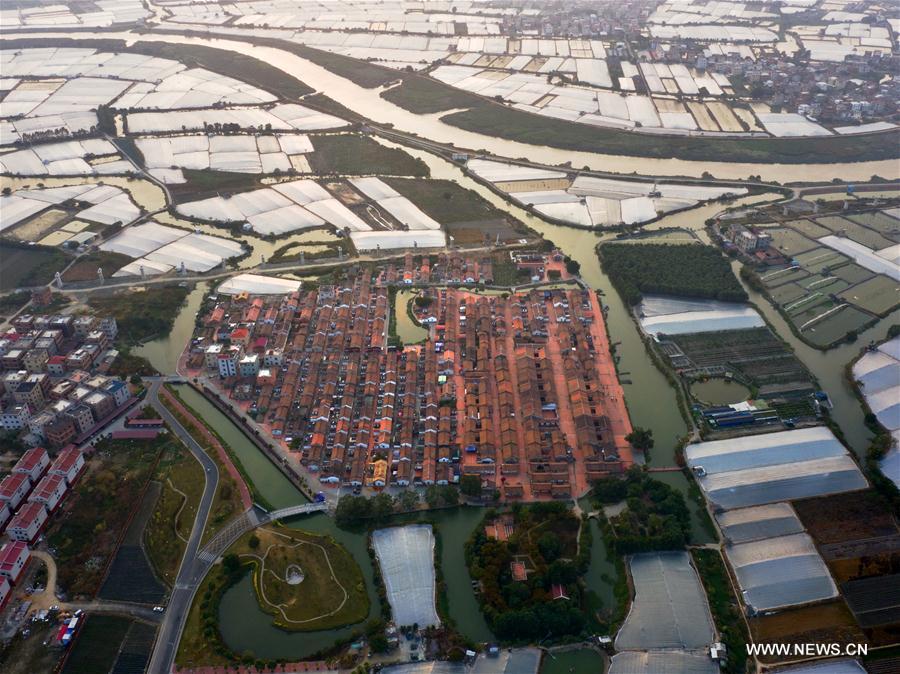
x,y
878,295
202,184
353,154
10,304
85,531
182,480
467,217
141,315
23,266
332,592
97,645
85,269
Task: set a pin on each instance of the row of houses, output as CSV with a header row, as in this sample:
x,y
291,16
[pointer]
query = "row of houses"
x,y
29,495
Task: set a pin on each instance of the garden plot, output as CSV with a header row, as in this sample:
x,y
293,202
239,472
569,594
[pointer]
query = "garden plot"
x,y
108,204
237,154
865,257
68,158
406,557
669,609
275,210
401,208
158,249
282,117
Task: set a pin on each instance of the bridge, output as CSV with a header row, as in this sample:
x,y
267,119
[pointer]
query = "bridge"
x,y
247,521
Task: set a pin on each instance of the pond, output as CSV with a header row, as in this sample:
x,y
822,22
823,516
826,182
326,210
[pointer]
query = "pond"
x,y
408,329
581,661
719,391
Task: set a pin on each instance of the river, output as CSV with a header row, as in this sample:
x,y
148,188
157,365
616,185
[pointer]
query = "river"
x,y
369,104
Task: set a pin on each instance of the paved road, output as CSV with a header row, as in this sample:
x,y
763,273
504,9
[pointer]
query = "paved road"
x,y
187,581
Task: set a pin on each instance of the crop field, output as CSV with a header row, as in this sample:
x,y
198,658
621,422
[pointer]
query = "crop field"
x,y
879,221
757,354
853,273
836,326
773,279
357,155
808,228
831,622
843,517
855,231
789,242
135,653
874,601
306,582
879,295
85,269
97,645
130,576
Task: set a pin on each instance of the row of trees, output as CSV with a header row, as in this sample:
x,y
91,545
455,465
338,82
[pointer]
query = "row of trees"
x,y
354,510
666,269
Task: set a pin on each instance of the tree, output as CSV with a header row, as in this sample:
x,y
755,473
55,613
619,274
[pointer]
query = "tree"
x,y
641,438
549,546
381,506
253,542
470,485
572,266
351,510
610,490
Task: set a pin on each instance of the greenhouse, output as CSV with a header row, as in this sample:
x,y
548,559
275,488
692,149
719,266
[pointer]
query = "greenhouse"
x,y
678,316
406,557
662,662
779,572
782,466
669,609
842,666
753,524
257,284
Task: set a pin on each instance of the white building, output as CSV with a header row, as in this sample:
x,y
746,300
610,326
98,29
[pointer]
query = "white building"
x,y
68,463
13,489
248,366
14,418
27,523
50,491
14,558
33,463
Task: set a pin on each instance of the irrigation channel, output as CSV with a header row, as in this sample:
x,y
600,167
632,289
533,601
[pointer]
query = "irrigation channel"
x,y
651,403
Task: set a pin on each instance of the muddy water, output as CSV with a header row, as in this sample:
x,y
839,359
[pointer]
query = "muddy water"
x,y
369,104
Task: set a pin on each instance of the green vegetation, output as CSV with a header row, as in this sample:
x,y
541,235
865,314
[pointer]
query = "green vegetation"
x,y
424,95
500,121
10,304
332,592
655,518
355,154
85,268
544,542
85,534
641,438
468,217
353,511
98,643
725,608
23,265
170,525
141,316
227,501
688,271
201,184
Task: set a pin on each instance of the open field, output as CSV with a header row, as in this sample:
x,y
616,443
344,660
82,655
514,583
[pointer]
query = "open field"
x,y
27,655
24,266
360,155
86,529
181,478
467,217
85,269
306,582
831,622
144,315
878,295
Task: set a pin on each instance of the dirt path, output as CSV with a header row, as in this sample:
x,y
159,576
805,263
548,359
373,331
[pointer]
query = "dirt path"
x,y
47,598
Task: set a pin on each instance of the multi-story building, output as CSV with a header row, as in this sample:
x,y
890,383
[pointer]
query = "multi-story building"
x,y
248,366
14,489
14,558
27,523
82,416
61,431
50,491
68,463
33,463
14,417
35,360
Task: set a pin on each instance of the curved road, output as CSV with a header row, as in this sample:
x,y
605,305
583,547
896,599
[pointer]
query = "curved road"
x,y
187,580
